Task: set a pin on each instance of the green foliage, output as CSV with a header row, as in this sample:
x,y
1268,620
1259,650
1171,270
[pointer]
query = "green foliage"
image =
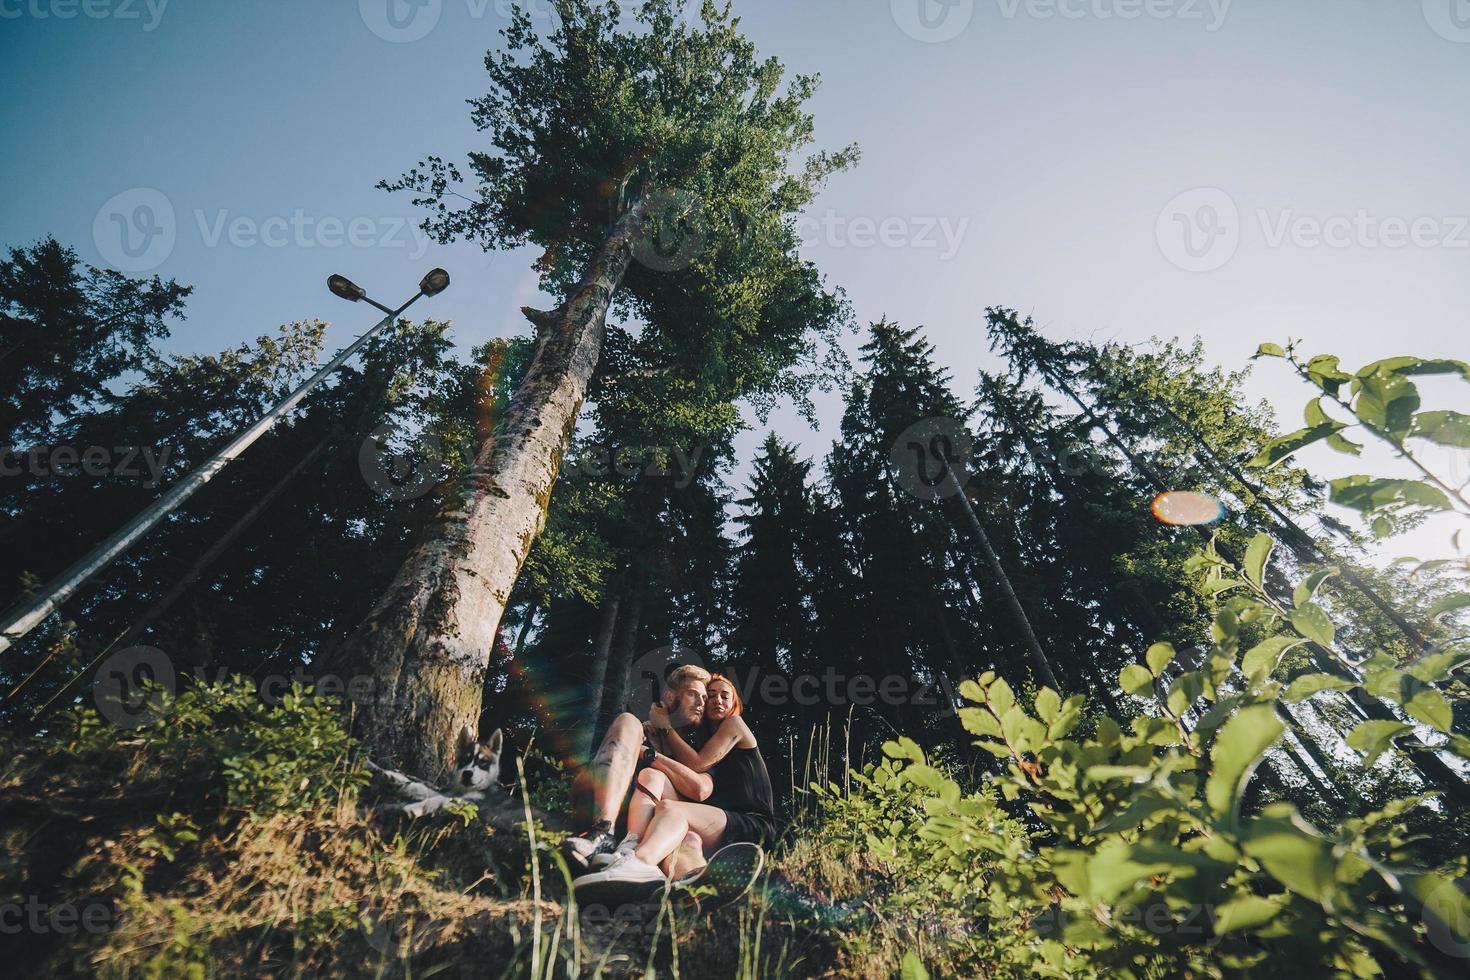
x,y
1147,851
240,749
1382,401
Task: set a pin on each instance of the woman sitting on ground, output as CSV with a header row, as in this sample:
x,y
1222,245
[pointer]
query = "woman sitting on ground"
x,y
731,785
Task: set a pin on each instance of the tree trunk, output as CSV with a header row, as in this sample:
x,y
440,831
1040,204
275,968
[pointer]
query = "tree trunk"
x,y
427,641
1028,635
615,689
597,675
532,607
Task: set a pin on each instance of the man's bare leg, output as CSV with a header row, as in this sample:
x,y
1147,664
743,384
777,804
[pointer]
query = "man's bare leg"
x,y
599,790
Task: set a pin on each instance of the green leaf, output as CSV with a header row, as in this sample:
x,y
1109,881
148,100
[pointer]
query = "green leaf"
x,y
1283,446
1299,859
1047,704
971,691
1235,753
1324,372
1438,666
1307,588
1373,738
1387,402
1137,812
1449,604
904,748
1365,494
1246,912
1308,684
979,721
1343,444
1310,621
1445,428
1159,656
1001,697
1185,690
912,968
1261,659
1135,679
1432,708
1270,350
1256,557
1415,366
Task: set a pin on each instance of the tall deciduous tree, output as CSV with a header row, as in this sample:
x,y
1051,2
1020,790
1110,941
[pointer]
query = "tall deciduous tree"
x,y
665,138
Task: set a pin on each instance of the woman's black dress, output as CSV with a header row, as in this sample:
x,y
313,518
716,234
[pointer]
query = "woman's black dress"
x,y
743,791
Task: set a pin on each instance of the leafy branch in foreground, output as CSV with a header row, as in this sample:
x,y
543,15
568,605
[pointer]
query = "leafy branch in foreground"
x,y
1385,403
1152,855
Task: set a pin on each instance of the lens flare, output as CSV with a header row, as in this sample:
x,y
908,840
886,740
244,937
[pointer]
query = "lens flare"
x,y
1187,508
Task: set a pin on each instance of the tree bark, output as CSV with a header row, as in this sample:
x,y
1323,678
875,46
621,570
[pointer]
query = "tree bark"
x,y
597,675
615,688
1028,635
427,641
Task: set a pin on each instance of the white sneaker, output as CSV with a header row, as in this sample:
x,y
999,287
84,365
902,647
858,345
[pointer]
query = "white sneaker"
x,y
630,869
628,845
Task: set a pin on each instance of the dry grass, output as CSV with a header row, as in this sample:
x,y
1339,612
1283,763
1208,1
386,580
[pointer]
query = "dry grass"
x,y
335,892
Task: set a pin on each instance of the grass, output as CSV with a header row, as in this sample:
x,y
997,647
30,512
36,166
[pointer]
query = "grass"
x,y
202,888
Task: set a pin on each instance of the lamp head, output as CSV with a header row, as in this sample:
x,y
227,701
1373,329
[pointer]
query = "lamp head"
x,y
345,288
434,283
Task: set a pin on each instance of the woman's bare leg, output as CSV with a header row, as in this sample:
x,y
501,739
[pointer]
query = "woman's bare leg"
x,y
687,857
672,819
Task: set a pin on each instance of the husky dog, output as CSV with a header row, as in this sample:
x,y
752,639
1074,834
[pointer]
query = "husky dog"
x,y
476,769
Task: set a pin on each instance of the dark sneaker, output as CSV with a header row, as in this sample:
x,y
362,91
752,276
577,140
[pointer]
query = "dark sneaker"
x,y
730,873
580,848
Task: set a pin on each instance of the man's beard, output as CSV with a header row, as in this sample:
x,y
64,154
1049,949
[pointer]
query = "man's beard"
x,y
678,719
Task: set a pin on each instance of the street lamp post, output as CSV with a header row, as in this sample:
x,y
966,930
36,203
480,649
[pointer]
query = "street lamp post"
x,y
27,617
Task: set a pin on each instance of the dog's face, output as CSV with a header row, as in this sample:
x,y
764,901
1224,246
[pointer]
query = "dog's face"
x,y
477,765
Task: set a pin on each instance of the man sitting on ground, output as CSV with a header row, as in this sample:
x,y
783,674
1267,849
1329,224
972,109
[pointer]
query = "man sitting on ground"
x,y
602,790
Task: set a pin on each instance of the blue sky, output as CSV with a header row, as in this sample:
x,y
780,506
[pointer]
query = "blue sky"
x,y
1120,169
